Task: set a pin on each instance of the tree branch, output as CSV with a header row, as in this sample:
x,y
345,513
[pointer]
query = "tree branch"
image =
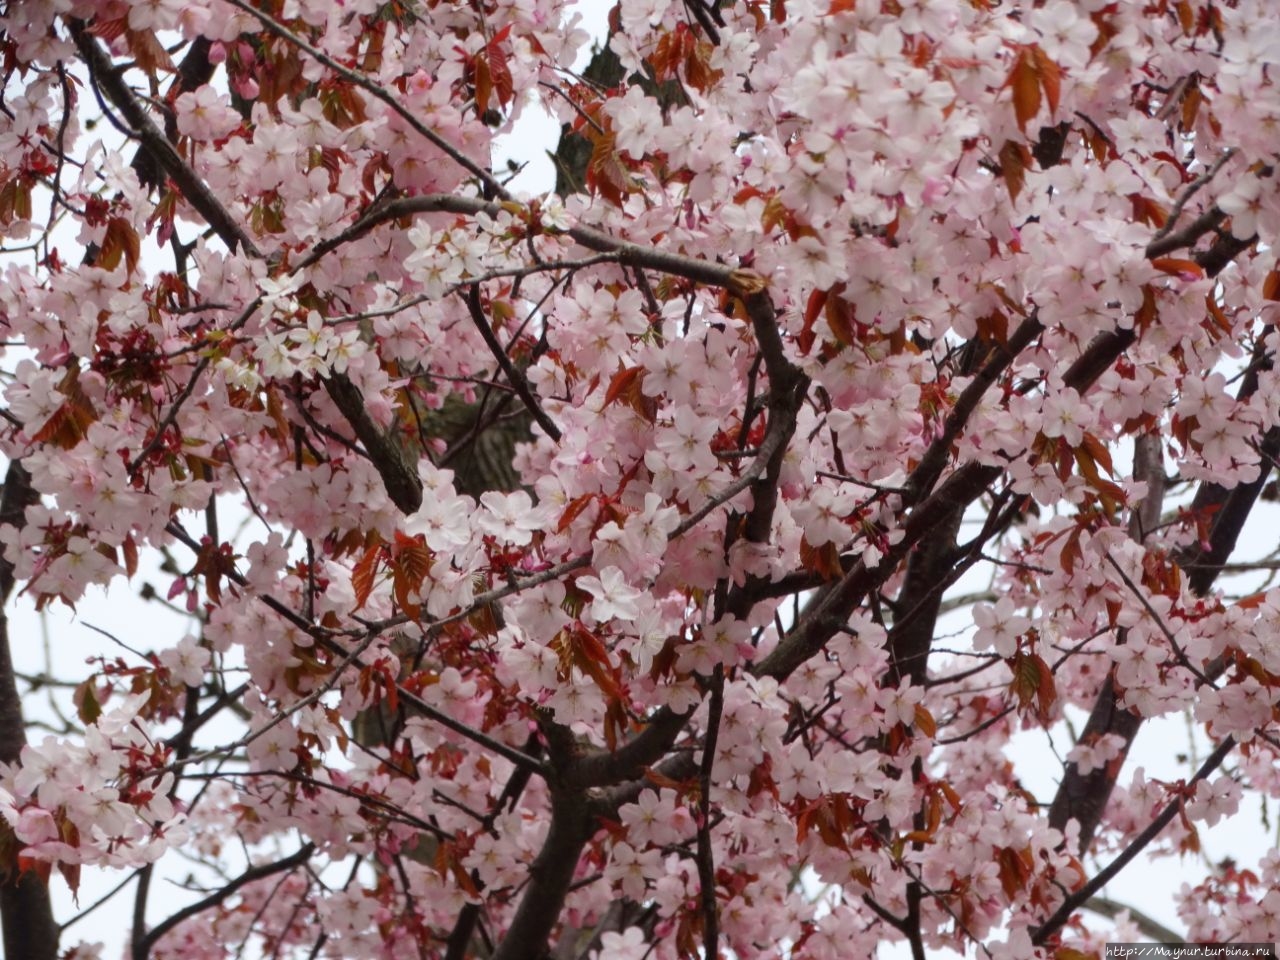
x,y
378,92
1150,927
706,856
142,947
110,80
514,376
1139,843
1083,797
399,477
26,913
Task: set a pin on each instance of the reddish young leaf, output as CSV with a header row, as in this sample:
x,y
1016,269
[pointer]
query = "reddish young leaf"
x,y
484,84
606,173
88,707
1271,285
1024,82
1186,269
1016,868
1033,684
362,575
1050,75
130,550
623,381
149,54
574,510
1015,158
120,241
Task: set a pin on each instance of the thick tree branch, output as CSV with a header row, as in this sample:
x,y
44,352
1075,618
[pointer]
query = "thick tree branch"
x,y
401,482
1150,928
705,855
629,761
110,79
1165,239
513,375
920,598
936,456
399,477
627,253
1136,846
194,71
573,821
550,876
956,492
1084,797
26,913
142,946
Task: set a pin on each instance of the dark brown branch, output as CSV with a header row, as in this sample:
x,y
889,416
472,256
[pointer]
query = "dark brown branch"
x,y
514,376
1083,797
1222,253
627,253
935,458
911,638
170,418
831,611
142,947
787,390
573,821
706,857
110,80
603,767
550,877
1150,928
829,614
1165,240
401,482
378,92
26,913
194,72
324,639
678,766
399,478
1188,235
461,936
1139,843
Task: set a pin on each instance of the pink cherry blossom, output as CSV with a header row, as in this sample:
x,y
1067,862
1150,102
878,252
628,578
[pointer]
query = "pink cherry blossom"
x,y
1065,34
999,626
204,115
509,517
614,598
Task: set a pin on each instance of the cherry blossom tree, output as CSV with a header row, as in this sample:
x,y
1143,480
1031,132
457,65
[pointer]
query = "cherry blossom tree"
x,y
661,566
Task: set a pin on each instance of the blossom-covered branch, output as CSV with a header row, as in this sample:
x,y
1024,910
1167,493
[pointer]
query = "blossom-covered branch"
x,y
606,572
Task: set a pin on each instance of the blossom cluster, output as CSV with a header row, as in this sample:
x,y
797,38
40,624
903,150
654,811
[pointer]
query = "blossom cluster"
x,y
107,801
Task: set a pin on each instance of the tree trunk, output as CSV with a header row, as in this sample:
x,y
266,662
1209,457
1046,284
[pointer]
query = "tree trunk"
x,y
26,914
